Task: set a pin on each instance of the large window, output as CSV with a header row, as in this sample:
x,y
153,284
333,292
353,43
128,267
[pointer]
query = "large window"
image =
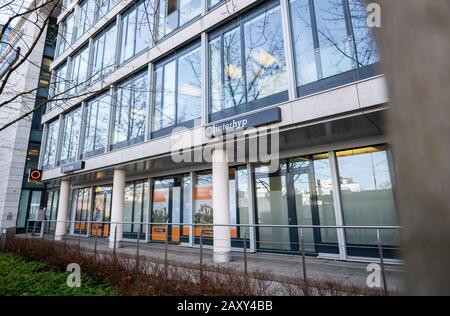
x,y
49,157
175,13
367,197
326,44
299,193
65,35
103,7
79,71
171,203
213,3
136,207
86,17
136,30
131,111
71,136
248,65
81,211
97,125
239,205
366,47
58,87
104,53
178,91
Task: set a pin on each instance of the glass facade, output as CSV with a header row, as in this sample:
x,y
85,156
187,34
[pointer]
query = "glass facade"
x,y
58,87
65,36
246,62
298,194
171,203
136,208
91,211
136,30
97,125
178,91
330,38
71,136
131,111
175,13
367,197
86,17
81,211
49,157
79,68
248,65
104,58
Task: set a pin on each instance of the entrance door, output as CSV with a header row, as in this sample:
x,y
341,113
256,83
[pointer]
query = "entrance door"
x,y
273,209
82,206
101,215
288,197
170,205
304,207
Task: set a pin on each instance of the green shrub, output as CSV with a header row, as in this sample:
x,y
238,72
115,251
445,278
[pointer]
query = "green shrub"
x,y
21,278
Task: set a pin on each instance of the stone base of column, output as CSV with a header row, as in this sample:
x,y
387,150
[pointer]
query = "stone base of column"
x,y
222,257
59,238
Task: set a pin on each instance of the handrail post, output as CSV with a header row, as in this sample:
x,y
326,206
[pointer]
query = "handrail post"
x,y
66,235
383,271
54,232
79,239
26,229
42,232
34,229
166,251
95,241
302,243
245,255
137,246
115,241
201,254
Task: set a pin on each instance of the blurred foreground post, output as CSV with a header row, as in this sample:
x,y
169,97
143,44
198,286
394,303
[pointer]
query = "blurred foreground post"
x,y
415,43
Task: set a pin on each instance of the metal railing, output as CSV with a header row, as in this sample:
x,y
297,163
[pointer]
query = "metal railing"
x,y
199,235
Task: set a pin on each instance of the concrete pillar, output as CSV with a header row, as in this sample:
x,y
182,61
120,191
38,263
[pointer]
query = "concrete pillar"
x,y
118,198
63,210
221,205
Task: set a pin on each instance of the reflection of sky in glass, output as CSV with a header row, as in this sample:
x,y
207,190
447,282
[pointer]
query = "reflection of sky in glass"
x,y
371,171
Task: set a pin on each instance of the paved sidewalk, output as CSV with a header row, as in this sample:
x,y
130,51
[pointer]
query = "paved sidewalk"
x,y
351,273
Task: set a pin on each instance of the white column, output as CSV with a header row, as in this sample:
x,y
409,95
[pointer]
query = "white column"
x,y
221,205
338,205
63,210
118,197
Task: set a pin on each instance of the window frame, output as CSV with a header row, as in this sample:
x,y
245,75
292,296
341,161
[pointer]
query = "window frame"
x,y
122,39
219,33
346,77
114,145
46,153
94,50
161,65
83,153
162,36
69,160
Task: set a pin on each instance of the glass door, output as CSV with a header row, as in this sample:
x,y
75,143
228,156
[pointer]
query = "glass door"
x,y
303,202
170,204
82,206
274,208
101,215
289,197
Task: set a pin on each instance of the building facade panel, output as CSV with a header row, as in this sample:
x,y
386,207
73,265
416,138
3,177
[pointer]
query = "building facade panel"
x,y
195,66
